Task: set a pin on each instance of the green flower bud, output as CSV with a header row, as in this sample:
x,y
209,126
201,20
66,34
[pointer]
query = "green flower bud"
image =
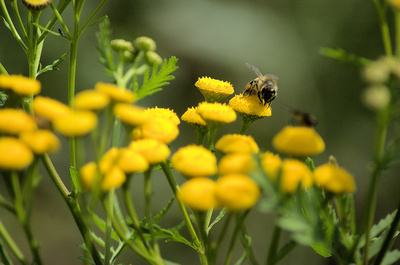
x,y
152,58
376,97
36,4
145,44
122,45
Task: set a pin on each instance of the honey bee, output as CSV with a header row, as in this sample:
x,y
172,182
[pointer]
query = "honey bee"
x,y
302,118
265,86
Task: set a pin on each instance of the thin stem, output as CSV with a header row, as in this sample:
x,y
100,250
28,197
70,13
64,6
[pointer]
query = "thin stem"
x,y
148,208
381,9
12,245
11,24
239,221
211,135
110,215
273,247
245,125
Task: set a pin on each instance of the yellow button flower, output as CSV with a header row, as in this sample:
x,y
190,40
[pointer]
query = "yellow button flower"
x,y
271,164
334,179
14,154
153,150
130,161
41,141
193,118
194,161
298,141
116,93
20,85
114,178
13,121
89,175
130,114
236,163
294,174
91,100
198,194
249,107
216,114
75,123
214,90
108,159
162,130
237,192
162,113
49,108
236,143
36,4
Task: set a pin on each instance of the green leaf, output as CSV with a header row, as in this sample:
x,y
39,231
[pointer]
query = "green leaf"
x,y
322,249
343,56
53,66
105,54
3,98
217,219
391,257
158,79
75,178
101,224
160,215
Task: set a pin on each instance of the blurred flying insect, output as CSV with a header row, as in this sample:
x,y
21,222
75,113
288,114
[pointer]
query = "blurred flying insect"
x,y
302,118
265,86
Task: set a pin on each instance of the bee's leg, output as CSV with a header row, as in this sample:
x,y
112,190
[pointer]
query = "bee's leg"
x,y
262,102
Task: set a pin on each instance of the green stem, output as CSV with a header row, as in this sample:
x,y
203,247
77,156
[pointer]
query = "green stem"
x,y
11,24
245,125
273,247
381,9
211,135
239,222
110,216
148,208
12,245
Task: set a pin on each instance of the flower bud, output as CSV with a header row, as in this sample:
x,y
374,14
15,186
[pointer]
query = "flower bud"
x,y
36,4
152,58
145,44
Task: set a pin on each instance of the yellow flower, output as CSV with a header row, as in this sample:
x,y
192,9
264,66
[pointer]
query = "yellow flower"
x,y
236,143
76,123
216,114
108,160
237,192
198,194
236,163
20,85
89,175
153,150
298,141
214,90
41,141
193,118
130,161
159,129
162,113
116,93
114,178
49,108
36,4
130,114
91,100
271,164
249,107
294,174
194,161
334,179
395,3
13,121
14,154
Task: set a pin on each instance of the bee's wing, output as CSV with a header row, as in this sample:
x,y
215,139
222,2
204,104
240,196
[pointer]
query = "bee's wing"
x,y
254,69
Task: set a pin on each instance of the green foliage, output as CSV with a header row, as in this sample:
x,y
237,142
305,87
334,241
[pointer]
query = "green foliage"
x,y
53,66
343,56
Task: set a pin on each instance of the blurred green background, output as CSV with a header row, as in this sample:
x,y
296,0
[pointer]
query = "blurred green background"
x,y
216,39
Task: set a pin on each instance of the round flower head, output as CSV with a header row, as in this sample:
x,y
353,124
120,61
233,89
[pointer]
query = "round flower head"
x,y
13,121
20,85
198,194
122,45
75,123
237,192
249,108
108,160
153,150
41,141
145,44
114,178
194,161
49,108
89,174
116,93
236,163
298,141
334,179
214,90
236,143
130,161
162,130
91,100
216,114
36,4
162,113
294,174
271,164
130,114
14,154
194,119
152,58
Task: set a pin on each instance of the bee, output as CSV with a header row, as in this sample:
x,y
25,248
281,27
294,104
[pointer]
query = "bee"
x,y
265,86
302,118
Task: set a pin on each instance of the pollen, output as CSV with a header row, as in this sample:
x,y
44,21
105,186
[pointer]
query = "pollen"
x,y
214,90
